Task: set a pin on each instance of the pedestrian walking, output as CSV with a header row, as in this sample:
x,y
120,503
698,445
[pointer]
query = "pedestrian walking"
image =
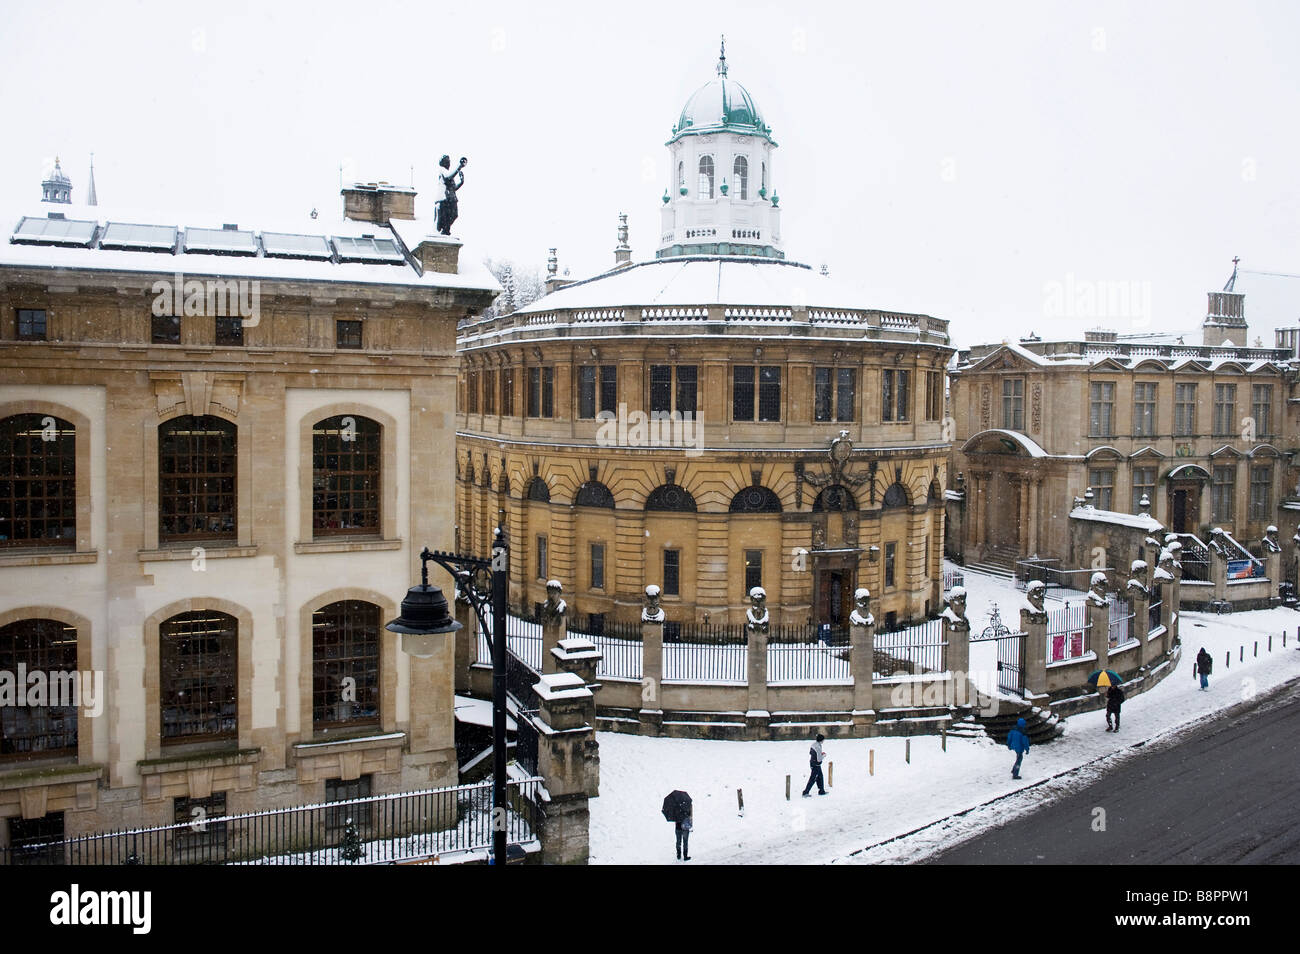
x,y
1204,666
815,758
1114,699
1018,742
684,826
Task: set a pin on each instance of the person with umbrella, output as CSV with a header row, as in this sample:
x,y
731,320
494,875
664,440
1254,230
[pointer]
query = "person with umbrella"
x,y
1204,666
677,809
1109,680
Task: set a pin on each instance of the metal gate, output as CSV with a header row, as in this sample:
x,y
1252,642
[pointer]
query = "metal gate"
x,y
1011,667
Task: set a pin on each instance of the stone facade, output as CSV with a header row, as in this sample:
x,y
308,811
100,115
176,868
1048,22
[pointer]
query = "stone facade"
x,y
120,578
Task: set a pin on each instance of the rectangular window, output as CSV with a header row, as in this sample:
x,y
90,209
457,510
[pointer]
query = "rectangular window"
x,y
347,334
664,398
1102,409
541,557
598,566
769,393
534,392
1225,409
1223,491
1103,488
1144,410
490,392
1261,492
933,395
31,324
891,553
753,570
202,840
508,392
742,392
229,331
1261,409
36,841
471,392
336,819
1144,484
1013,404
672,572
1184,410
597,390
835,394
894,394
548,392
165,329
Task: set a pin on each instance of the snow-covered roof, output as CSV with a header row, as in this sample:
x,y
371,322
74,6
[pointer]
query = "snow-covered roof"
x,y
706,280
387,266
1009,440
1140,520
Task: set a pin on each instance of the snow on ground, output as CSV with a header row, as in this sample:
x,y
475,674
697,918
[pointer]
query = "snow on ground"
x,y
864,810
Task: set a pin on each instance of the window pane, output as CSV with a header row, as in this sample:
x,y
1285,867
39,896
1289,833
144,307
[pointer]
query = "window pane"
x,y
846,394
609,387
742,393
196,479
672,559
586,392
548,392
661,384
598,566
345,664
197,676
769,393
34,730
345,475
37,512
821,394
686,381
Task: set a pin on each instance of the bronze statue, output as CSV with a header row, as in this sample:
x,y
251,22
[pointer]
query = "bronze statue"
x,y
448,209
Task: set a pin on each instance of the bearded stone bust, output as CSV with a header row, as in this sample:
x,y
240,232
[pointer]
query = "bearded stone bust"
x,y
861,615
1033,609
955,611
756,617
651,611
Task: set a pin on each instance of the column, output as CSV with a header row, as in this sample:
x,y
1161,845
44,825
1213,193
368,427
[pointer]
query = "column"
x,y
651,715
566,742
1099,632
757,717
466,642
1033,655
862,657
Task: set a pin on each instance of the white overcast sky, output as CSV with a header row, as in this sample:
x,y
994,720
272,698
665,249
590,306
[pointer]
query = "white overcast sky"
x,y
952,158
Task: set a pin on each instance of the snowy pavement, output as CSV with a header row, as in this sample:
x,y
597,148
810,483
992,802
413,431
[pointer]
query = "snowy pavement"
x,y
862,809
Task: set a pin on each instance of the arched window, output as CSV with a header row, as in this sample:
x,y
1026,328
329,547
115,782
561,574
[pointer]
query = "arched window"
x,y
594,494
537,490
196,479
38,482
896,496
197,684
345,665
740,172
706,177
345,475
762,181
50,728
834,499
670,498
755,500
681,175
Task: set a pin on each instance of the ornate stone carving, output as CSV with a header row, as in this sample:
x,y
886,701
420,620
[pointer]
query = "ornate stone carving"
x,y
756,617
651,611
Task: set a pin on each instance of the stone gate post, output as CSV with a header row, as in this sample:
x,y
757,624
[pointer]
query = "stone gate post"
x,y
862,661
651,715
566,744
554,623
757,630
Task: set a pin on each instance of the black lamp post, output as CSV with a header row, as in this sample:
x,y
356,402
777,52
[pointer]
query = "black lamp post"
x,y
425,618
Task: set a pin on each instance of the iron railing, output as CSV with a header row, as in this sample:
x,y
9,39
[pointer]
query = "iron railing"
x,y
1121,623
803,654
1067,632
697,652
389,828
913,650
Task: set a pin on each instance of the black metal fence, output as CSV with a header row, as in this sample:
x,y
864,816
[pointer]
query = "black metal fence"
x,y
1011,668
527,743
913,650
389,828
619,643
696,652
803,654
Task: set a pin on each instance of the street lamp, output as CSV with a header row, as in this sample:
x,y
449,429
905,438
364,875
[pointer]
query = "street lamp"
x,y
425,620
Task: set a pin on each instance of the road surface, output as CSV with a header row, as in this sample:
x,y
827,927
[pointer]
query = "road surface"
x,y
1225,793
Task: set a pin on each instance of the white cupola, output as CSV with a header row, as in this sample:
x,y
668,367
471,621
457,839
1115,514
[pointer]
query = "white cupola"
x,y
721,200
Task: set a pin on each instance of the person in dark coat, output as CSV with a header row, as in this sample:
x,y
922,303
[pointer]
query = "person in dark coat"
x,y
1114,699
684,825
1018,742
1204,665
815,758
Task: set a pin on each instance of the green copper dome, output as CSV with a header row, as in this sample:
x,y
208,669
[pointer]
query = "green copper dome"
x,y
721,105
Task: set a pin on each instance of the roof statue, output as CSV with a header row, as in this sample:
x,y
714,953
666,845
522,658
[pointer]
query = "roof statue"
x,y
448,207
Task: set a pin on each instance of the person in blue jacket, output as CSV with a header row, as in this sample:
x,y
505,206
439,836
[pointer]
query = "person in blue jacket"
x,y
1018,742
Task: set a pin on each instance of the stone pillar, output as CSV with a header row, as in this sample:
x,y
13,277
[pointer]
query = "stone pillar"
x,y
466,642
1174,610
1099,632
757,716
578,655
1140,600
566,744
554,624
862,659
1219,574
1033,655
651,715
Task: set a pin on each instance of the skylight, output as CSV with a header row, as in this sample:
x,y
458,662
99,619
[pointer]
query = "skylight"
x,y
228,241
158,238
291,245
53,231
367,248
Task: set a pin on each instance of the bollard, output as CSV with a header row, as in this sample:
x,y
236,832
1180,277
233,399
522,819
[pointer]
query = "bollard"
x,y
871,762
1270,642
907,751
943,738
1227,659
787,788
1257,649
1242,650
740,803
830,774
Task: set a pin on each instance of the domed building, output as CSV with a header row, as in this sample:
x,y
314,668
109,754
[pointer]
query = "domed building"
x,y
713,419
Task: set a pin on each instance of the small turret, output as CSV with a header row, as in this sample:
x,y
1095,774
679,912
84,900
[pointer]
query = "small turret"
x,y
57,187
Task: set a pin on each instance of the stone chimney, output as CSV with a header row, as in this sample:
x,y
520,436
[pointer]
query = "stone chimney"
x,y
378,202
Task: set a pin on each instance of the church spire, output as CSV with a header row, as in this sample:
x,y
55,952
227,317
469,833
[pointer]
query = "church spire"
x,y
91,197
722,59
